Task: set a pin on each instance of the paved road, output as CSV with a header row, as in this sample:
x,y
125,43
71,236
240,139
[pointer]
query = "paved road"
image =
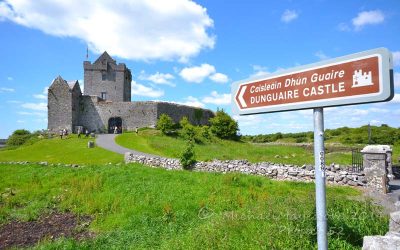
x,y
107,141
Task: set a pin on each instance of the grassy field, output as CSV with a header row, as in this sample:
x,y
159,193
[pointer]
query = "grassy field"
x,y
72,150
151,141
138,207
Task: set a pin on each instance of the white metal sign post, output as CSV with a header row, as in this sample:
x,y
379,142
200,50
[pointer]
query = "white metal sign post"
x,y
320,190
364,77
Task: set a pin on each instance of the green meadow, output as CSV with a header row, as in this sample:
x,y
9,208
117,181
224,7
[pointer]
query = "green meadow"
x,y
137,207
153,142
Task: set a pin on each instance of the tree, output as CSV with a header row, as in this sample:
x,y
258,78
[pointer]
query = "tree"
x,y
187,158
223,126
19,137
164,123
188,131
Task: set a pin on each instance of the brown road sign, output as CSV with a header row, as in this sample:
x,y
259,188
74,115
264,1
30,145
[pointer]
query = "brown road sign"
x,y
359,78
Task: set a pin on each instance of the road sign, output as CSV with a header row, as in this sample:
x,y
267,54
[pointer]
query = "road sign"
x,y
358,78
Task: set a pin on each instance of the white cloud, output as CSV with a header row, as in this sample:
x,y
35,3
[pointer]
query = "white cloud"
x,y
193,101
158,78
259,71
40,96
139,30
10,78
217,99
219,78
396,58
396,77
198,73
42,106
368,18
141,90
396,99
14,102
6,90
289,15
321,55
38,114
20,121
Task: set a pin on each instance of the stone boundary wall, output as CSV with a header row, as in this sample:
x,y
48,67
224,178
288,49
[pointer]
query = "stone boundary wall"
x,y
334,173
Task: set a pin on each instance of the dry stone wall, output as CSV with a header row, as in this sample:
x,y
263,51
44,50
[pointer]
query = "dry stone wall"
x,y
334,173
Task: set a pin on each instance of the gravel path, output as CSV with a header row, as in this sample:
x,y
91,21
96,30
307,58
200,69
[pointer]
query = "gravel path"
x,y
107,141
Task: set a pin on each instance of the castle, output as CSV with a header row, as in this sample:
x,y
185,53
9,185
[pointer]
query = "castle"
x,y
106,102
361,79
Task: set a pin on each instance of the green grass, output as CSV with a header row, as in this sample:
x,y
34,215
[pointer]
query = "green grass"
x,y
151,141
72,150
136,207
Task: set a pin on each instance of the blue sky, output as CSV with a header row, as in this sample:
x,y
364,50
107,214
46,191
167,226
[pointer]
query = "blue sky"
x,y
189,52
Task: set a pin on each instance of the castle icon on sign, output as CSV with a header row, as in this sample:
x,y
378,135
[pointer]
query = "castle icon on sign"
x,y
361,79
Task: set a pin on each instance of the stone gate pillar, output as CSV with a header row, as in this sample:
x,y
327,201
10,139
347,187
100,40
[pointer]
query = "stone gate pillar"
x,y
377,166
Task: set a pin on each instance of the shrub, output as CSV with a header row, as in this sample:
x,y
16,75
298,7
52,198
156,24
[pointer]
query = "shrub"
x,y
19,137
223,126
187,158
188,131
164,123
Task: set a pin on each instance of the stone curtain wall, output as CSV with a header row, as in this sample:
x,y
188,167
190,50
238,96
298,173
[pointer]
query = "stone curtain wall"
x,y
305,173
177,112
95,113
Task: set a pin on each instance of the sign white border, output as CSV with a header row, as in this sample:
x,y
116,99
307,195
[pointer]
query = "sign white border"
x,y
386,88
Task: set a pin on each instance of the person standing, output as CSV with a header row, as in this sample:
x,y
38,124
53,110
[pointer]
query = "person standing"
x,y
61,134
79,132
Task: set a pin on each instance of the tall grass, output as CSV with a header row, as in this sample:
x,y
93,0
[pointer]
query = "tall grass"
x,y
139,207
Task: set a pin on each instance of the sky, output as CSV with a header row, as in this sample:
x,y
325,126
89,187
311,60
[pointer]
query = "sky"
x,y
190,52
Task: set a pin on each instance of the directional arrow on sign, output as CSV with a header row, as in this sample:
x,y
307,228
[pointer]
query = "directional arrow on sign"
x,y
239,98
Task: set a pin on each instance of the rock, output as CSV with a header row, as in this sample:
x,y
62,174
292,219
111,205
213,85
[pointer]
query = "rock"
x,y
381,242
330,178
394,222
277,156
338,178
352,183
90,144
309,167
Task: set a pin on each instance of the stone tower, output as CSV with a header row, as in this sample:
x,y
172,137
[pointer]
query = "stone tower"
x,y
63,104
107,80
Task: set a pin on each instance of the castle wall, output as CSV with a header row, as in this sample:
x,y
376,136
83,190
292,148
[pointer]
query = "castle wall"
x,y
95,114
75,99
59,107
196,116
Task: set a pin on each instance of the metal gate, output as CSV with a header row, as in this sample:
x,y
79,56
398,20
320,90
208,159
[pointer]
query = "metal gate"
x,y
356,160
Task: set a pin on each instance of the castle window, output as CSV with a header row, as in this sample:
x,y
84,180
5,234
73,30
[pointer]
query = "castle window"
x,y
103,76
104,95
